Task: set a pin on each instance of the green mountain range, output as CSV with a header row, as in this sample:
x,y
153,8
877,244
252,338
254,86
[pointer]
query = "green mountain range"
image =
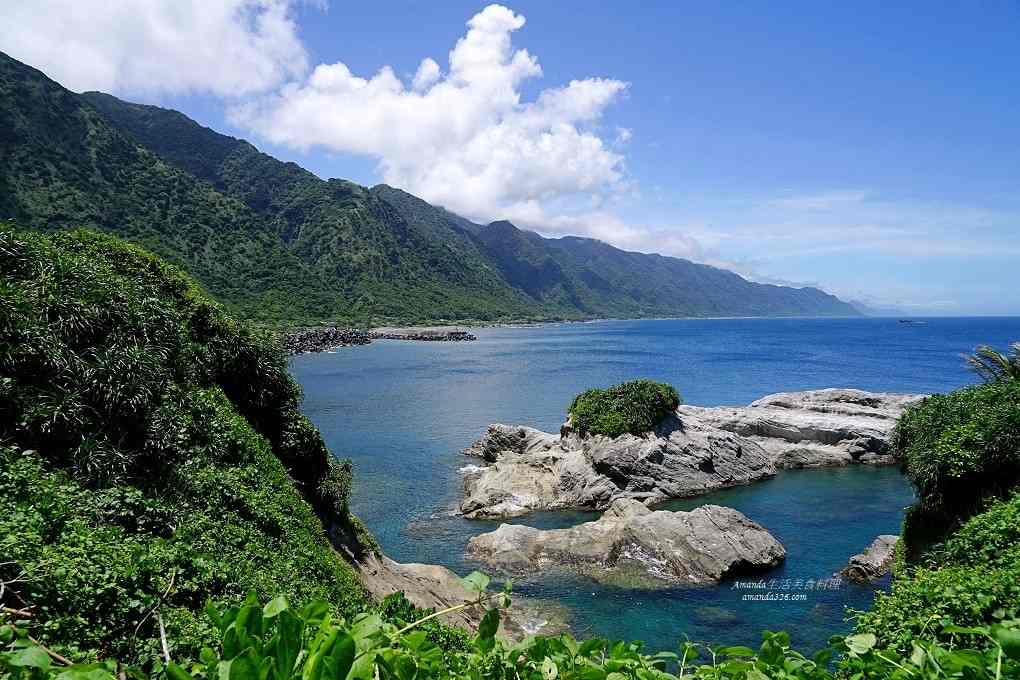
x,y
275,243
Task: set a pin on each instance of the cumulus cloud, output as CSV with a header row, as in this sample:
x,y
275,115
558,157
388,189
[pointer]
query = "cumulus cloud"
x,y
464,137
225,47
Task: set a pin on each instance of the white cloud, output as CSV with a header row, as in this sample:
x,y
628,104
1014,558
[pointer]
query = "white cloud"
x,y
464,138
226,47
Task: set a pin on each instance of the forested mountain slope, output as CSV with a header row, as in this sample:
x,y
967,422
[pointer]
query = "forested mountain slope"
x,y
276,243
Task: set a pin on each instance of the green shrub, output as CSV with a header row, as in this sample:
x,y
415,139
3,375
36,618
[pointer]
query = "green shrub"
x,y
922,604
962,447
991,537
634,407
151,450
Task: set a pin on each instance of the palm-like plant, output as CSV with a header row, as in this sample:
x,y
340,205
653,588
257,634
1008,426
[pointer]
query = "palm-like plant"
x,y
993,365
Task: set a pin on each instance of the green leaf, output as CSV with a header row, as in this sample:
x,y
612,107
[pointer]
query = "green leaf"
x,y
339,662
30,657
476,582
175,672
735,651
549,670
274,607
244,667
1009,640
861,644
489,625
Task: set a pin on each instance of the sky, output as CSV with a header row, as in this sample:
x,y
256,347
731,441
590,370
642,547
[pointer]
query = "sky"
x,y
869,149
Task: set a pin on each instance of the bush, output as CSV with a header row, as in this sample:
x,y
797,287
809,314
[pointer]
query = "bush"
x,y
152,452
928,603
634,407
962,447
989,538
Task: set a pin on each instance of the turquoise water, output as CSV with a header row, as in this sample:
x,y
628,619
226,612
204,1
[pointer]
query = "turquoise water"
x,y
403,411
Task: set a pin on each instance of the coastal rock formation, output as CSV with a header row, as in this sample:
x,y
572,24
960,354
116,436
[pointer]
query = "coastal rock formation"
x,y
322,339
874,563
694,451
633,543
816,428
532,470
430,586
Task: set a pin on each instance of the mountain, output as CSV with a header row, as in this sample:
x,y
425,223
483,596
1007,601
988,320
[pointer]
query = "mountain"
x,y
276,243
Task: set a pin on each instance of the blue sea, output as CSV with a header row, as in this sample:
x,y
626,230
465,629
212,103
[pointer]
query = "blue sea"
x,y
403,411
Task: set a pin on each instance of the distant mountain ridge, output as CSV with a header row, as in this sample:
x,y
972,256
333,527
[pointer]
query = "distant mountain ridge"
x,y
277,243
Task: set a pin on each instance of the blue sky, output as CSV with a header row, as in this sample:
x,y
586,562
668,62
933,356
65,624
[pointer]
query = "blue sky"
x,y
871,150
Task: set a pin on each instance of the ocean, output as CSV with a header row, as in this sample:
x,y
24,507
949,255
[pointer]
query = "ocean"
x,y
403,411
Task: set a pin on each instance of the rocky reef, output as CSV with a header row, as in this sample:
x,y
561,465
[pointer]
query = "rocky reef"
x,y
694,451
815,428
637,546
874,563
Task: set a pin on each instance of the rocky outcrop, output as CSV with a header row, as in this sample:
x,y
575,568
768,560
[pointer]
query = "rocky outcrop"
x,y
531,470
430,586
816,428
694,451
874,563
635,545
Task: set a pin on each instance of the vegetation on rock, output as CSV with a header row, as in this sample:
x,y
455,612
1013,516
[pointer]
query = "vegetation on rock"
x,y
634,407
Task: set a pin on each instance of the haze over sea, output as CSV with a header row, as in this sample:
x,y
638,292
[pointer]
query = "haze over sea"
x,y
403,411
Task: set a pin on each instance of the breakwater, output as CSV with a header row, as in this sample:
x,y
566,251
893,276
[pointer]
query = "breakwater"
x,y
326,338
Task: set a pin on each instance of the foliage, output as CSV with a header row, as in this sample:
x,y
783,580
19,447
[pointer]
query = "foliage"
x,y
278,642
927,603
636,407
962,447
962,576
990,538
152,455
993,365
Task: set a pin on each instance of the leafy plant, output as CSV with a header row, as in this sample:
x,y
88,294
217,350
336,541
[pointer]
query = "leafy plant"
x,y
993,365
276,641
634,407
962,447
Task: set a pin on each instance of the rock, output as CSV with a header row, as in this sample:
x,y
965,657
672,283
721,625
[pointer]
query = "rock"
x,y
532,470
426,334
321,339
430,586
816,428
874,563
694,451
702,546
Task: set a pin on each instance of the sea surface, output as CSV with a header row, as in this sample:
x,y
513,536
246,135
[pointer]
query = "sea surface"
x,y
403,411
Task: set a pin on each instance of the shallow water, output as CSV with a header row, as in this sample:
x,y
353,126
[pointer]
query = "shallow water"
x,y
403,411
